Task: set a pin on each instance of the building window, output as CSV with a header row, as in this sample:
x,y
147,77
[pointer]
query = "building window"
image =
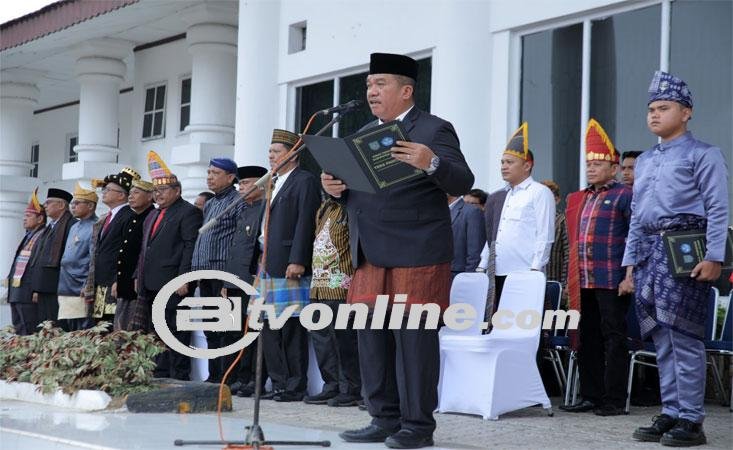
x,y
296,37
625,49
185,117
71,141
35,150
325,94
154,114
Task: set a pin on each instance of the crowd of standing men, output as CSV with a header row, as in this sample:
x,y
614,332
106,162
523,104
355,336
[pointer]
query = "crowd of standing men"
x,y
323,242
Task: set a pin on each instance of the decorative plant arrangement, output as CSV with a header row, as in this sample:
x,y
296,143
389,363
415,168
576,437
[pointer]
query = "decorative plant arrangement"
x,y
119,363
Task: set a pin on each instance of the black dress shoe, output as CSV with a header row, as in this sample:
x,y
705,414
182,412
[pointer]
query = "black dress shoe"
x,y
320,399
247,390
362,405
608,410
660,425
289,396
271,395
345,400
585,405
371,433
684,434
409,439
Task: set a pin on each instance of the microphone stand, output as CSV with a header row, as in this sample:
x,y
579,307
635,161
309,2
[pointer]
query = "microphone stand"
x,y
255,438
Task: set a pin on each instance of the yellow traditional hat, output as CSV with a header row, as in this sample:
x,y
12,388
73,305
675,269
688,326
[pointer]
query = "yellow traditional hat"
x,y
284,137
598,146
34,205
143,185
158,170
85,194
518,144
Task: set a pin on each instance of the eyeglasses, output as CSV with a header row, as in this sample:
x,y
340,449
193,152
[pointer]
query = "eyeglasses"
x,y
106,189
161,189
80,202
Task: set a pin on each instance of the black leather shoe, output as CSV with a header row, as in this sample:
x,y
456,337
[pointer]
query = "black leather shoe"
x,y
247,390
409,439
684,434
320,399
371,433
345,400
585,405
660,425
271,395
608,410
362,405
289,396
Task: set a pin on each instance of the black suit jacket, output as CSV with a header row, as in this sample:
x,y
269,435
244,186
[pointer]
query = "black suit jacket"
x,y
469,236
408,225
117,251
292,224
43,265
168,252
245,250
23,293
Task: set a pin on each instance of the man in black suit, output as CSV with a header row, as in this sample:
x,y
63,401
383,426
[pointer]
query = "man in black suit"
x,y
24,312
401,243
242,262
469,235
169,235
286,279
45,263
110,260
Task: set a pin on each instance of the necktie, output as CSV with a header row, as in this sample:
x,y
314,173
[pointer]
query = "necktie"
x,y
106,223
158,220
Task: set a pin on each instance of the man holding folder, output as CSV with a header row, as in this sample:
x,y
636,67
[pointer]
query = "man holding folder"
x,y
400,239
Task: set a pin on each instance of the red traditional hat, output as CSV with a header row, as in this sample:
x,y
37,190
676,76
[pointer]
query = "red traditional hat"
x,y
598,146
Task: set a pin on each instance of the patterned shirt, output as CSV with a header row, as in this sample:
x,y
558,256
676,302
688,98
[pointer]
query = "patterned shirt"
x,y
604,224
332,269
681,176
212,247
557,268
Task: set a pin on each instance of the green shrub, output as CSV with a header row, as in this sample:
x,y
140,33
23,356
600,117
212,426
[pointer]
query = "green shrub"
x,y
119,363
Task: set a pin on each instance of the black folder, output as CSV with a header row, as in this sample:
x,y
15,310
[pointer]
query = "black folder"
x,y
685,249
363,160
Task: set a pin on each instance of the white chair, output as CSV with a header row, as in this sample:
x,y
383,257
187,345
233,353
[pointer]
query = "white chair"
x,y
470,288
493,374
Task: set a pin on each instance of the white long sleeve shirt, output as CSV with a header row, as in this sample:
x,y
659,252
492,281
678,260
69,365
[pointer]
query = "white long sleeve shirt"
x,y
526,228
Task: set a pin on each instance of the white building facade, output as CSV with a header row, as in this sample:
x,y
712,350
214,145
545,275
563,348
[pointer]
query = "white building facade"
x,y
197,79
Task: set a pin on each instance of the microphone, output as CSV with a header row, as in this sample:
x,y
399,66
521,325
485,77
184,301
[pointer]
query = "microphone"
x,y
349,106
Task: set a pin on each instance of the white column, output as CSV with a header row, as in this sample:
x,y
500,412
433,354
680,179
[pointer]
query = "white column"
x,y
100,70
18,96
212,42
258,92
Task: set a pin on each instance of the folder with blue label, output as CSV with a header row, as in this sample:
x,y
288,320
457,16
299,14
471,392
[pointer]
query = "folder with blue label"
x,y
363,160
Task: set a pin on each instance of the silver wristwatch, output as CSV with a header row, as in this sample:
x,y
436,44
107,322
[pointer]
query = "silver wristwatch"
x,y
434,163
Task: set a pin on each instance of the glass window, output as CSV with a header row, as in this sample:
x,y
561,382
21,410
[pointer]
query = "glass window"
x,y
71,141
185,117
35,151
700,53
154,114
550,102
624,56
310,99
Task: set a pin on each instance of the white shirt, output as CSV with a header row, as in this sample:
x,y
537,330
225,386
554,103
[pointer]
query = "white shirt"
x,y
278,186
452,204
484,263
401,117
115,210
526,228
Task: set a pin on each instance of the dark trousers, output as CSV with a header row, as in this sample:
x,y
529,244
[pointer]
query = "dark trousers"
x,y
218,339
499,280
24,317
48,307
603,358
286,355
399,373
248,363
337,355
170,363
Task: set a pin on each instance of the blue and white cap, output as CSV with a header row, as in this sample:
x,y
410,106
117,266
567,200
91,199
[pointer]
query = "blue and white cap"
x,y
666,86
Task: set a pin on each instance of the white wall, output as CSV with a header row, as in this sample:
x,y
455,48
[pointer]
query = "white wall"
x,y
165,63
50,130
